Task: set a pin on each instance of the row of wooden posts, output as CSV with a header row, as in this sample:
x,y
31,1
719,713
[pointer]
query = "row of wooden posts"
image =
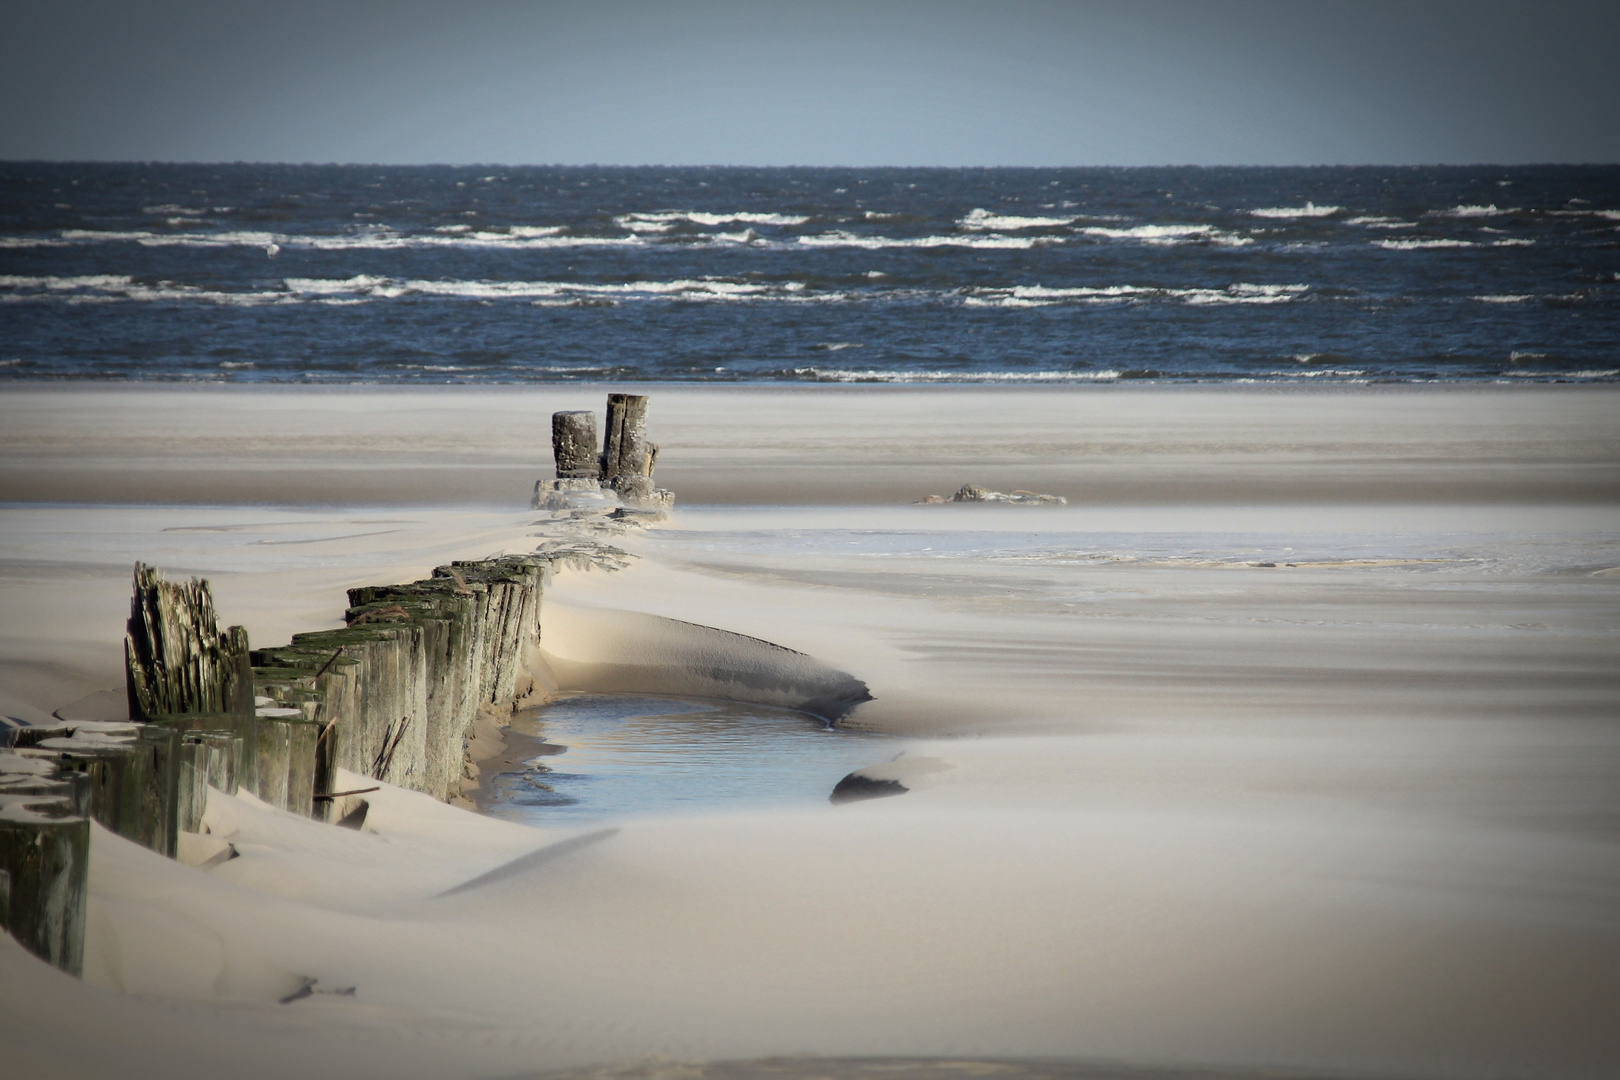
x,y
391,695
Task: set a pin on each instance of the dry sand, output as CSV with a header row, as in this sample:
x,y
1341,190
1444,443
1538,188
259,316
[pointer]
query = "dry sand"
x,y
1171,806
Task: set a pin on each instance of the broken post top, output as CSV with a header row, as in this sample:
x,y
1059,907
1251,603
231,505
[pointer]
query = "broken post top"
x,y
625,449
573,442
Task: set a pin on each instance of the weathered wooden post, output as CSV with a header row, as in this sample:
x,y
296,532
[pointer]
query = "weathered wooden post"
x,y
573,445
45,858
176,658
624,447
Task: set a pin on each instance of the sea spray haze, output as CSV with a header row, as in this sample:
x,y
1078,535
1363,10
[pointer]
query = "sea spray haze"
x,y
506,274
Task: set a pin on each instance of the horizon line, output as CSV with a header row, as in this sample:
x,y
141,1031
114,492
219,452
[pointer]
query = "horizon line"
x,y
711,165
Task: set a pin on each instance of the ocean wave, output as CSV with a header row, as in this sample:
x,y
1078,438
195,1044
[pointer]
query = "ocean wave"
x,y
516,237
661,220
1586,374
1028,296
1513,242
1419,245
1517,357
390,288
1309,210
874,375
1375,221
1316,373
992,240
31,242
981,219
1505,298
1491,210
1168,234
82,281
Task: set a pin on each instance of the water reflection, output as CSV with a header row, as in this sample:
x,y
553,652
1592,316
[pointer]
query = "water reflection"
x,y
591,757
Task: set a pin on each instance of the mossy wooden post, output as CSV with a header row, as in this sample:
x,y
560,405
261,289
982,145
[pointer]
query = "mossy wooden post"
x,y
157,817
624,447
573,445
230,742
45,856
114,775
177,660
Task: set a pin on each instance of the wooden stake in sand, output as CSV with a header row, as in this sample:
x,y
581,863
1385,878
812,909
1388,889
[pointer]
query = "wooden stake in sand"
x,y
624,450
573,444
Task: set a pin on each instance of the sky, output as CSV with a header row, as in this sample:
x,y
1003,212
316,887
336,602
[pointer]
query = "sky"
x,y
835,82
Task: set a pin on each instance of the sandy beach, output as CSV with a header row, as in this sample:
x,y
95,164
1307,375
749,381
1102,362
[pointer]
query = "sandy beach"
x,y
1290,743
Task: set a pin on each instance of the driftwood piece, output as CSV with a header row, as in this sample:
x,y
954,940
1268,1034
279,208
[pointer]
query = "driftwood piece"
x,y
177,660
573,445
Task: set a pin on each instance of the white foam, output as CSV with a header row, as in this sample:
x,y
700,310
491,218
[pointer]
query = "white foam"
x,y
981,219
1512,242
992,240
1377,222
1491,210
557,292
665,219
1309,210
1418,245
876,376
30,242
83,281
1025,296
1518,357
1607,373
518,237
1505,298
1168,234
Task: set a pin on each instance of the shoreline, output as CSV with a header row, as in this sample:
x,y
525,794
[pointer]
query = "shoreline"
x,y
847,445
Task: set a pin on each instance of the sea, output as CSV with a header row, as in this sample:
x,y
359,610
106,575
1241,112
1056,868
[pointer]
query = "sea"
x,y
252,273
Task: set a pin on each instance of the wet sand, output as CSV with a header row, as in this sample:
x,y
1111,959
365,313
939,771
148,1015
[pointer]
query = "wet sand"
x,y
1289,744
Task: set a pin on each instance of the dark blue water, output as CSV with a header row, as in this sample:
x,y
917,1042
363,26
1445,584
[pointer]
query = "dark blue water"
x,y
437,274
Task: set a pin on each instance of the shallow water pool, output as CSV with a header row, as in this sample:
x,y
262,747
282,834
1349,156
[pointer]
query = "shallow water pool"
x,y
595,757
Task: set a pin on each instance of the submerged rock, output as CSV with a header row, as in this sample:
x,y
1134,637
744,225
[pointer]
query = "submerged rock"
x,y
855,787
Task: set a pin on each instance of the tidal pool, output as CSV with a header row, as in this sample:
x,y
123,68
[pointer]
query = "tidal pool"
x,y
597,757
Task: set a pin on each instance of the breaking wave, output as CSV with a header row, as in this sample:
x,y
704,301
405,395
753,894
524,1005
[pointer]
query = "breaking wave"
x,y
1309,210
984,219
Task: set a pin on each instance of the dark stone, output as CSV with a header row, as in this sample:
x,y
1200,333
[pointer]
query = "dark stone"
x,y
855,787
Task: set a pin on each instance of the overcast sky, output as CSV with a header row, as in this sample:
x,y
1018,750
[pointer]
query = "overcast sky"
x,y
902,82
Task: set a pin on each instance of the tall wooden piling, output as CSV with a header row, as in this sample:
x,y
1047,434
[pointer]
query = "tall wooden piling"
x,y
624,448
573,445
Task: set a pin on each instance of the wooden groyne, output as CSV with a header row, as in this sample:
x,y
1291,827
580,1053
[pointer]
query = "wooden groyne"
x,y
394,694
